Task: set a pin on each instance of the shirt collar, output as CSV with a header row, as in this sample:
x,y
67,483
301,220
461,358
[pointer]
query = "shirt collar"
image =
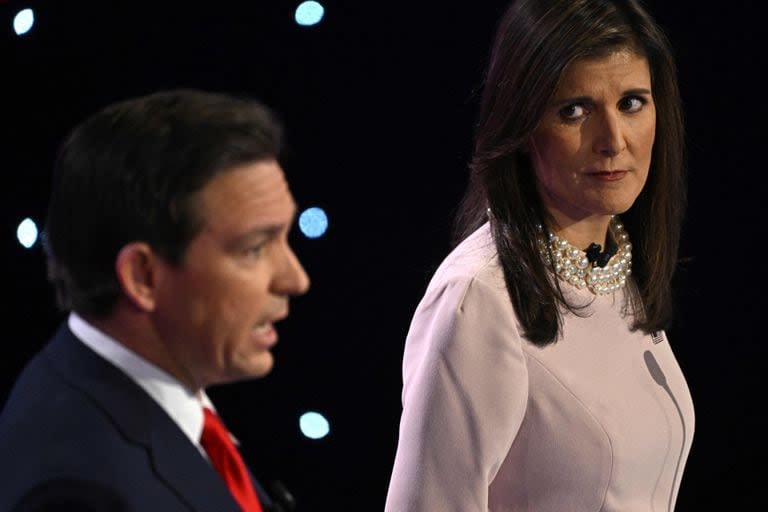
x,y
179,402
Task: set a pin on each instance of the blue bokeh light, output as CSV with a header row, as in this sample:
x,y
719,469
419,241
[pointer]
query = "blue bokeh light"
x,y
314,425
27,233
23,21
313,222
309,13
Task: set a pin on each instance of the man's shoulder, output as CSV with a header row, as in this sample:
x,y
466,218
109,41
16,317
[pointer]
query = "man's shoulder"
x,y
67,388
37,393
46,413
67,452
73,417
50,432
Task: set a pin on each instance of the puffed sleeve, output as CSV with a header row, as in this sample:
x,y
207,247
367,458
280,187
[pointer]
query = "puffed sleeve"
x,y
464,396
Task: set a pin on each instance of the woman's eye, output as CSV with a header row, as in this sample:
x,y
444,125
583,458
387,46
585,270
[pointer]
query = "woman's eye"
x,y
632,104
573,112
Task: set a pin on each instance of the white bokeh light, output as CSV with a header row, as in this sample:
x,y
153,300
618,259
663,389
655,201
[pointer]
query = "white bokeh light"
x,y
313,222
27,233
23,21
309,13
314,425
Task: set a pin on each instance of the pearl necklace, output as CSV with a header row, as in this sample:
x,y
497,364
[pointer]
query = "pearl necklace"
x,y
571,264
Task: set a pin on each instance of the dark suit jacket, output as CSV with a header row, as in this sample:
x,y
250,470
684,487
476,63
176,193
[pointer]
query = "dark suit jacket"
x,y
79,434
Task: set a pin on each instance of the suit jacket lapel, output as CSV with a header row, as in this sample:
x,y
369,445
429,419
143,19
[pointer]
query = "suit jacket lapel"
x,y
180,464
140,419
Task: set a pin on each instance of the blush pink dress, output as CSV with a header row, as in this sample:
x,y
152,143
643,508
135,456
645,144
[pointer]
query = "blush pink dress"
x,y
600,421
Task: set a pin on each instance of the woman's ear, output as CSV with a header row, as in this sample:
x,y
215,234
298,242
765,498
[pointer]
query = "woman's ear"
x,y
136,269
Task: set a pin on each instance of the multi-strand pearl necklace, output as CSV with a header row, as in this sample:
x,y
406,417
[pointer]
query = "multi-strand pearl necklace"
x,y
572,265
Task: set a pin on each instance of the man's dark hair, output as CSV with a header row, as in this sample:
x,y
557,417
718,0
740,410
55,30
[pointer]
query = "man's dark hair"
x,y
131,173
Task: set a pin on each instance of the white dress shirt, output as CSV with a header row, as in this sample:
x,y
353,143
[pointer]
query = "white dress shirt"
x,y
179,402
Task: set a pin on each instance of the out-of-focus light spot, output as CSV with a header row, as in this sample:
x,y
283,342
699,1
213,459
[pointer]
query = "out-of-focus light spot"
x,y
309,13
314,425
27,233
313,222
23,21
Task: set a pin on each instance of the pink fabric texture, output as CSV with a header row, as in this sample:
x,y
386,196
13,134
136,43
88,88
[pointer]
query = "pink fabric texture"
x,y
600,421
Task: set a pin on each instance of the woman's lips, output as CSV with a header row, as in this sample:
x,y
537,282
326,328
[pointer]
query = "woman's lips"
x,y
607,175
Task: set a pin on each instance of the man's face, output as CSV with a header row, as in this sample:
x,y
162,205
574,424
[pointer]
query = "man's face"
x,y
217,309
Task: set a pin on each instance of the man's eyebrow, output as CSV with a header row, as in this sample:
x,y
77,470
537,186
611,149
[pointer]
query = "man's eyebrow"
x,y
269,229
266,230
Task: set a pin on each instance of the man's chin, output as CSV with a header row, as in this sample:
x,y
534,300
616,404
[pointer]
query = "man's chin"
x,y
260,365
256,368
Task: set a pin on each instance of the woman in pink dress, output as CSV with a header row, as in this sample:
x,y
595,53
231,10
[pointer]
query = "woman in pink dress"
x,y
537,372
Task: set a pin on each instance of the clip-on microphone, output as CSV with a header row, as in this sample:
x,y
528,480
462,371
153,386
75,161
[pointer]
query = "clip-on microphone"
x,y
598,258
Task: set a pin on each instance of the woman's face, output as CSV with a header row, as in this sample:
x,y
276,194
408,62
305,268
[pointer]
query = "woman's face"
x,y
592,149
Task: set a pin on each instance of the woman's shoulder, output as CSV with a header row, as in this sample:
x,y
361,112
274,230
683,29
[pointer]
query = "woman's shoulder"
x,y
475,258
466,300
472,269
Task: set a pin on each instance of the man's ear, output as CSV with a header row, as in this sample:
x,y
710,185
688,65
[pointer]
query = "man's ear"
x,y
137,270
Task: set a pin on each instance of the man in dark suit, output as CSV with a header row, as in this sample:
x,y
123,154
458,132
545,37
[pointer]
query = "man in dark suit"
x,y
167,242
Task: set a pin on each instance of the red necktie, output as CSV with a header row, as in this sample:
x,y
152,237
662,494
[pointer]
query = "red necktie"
x,y
227,461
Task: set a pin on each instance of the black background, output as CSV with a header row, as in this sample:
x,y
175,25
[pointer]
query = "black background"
x,y
379,101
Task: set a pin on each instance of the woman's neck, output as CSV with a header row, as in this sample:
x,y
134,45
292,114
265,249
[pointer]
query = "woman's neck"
x,y
580,233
